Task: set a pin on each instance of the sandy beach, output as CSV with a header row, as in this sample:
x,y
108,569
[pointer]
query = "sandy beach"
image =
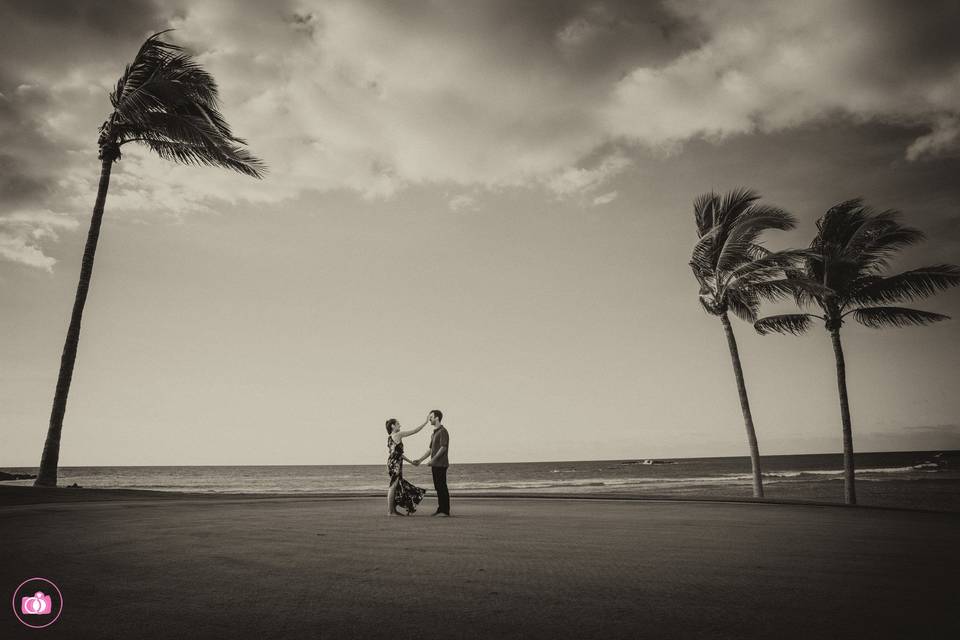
x,y
151,565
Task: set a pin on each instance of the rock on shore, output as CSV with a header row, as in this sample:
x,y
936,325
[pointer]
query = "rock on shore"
x,y
15,476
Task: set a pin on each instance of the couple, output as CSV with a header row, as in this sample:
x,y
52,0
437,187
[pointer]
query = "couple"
x,y
404,494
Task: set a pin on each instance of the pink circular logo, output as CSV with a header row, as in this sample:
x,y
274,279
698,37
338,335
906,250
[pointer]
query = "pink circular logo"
x,y
37,603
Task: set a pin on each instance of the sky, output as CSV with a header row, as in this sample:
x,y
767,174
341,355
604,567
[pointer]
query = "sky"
x,y
481,207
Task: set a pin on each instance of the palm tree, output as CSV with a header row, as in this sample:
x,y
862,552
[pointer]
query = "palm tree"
x,y
165,101
735,273
842,274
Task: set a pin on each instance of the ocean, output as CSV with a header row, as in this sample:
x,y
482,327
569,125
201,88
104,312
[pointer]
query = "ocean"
x,y
912,476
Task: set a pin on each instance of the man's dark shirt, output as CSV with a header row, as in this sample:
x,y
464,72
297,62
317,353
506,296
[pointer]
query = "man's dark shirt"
x,y
440,438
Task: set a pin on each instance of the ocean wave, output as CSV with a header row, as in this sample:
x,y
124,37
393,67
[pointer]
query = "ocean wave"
x,y
612,483
889,470
813,473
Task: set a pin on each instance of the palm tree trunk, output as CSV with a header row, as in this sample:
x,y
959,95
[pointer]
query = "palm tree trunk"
x,y
850,494
745,407
47,476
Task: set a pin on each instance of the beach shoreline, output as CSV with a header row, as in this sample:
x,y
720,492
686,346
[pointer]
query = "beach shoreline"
x,y
914,495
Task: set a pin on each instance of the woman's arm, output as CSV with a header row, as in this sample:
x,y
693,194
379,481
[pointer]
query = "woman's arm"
x,y
410,432
413,462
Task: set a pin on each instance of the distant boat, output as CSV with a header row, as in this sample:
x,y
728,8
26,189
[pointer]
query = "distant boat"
x,y
650,461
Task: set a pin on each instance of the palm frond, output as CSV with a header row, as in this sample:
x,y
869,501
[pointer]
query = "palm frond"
x,y
704,252
768,263
841,220
807,289
744,229
853,247
794,323
704,212
765,217
733,253
735,202
880,238
744,303
153,54
229,156
755,277
909,285
758,251
879,317
168,102
728,255
773,290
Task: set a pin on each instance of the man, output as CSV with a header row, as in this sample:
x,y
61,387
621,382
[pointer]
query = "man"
x,y
439,461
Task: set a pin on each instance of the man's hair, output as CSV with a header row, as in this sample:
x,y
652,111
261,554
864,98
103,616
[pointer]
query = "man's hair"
x,y
439,414
390,423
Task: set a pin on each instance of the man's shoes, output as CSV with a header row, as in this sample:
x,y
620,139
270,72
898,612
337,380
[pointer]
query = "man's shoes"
x,y
440,513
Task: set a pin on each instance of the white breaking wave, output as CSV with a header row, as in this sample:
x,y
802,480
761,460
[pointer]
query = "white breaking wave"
x,y
830,472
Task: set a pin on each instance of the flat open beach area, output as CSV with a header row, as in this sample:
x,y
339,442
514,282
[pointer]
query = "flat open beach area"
x,y
134,564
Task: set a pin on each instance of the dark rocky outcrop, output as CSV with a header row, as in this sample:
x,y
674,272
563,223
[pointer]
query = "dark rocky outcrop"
x,y
15,476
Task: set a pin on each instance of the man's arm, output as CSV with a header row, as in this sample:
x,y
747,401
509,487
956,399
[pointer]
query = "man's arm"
x,y
439,453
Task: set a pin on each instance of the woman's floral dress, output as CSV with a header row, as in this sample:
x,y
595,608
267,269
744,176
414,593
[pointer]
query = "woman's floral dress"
x,y
408,496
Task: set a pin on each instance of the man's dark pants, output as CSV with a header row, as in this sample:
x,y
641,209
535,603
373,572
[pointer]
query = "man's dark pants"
x,y
440,484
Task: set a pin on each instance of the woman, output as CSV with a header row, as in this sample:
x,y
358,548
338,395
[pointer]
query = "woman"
x,y
401,493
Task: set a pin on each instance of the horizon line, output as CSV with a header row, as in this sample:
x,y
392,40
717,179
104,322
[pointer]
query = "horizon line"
x,y
374,464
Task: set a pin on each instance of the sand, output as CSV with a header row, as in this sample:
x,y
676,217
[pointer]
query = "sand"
x,y
142,565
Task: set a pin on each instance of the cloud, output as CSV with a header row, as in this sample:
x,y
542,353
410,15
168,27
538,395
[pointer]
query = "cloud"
x,y
575,181
605,198
772,67
368,96
463,202
585,28
943,138
22,234
373,96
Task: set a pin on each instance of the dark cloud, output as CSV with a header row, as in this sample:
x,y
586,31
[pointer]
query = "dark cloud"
x,y
377,95
912,39
19,189
103,17
50,36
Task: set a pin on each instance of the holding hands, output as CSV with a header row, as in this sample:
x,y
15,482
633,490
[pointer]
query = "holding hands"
x,y
417,462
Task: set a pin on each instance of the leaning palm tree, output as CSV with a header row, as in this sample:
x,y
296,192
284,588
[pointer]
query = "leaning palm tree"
x,y
843,275
163,100
735,273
